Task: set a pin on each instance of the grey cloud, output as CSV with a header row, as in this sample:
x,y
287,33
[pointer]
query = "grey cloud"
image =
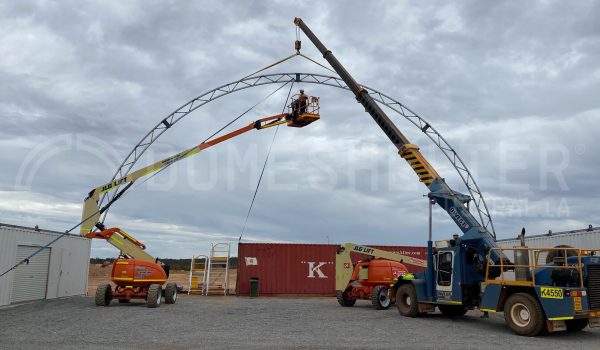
x,y
486,75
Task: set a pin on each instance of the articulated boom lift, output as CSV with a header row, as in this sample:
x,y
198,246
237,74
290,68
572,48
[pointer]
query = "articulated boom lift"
x,y
369,279
137,274
470,271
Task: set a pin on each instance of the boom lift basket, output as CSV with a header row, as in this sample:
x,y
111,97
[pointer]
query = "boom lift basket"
x,y
299,114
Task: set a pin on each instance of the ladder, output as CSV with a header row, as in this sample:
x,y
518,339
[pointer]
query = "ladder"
x,y
217,276
198,271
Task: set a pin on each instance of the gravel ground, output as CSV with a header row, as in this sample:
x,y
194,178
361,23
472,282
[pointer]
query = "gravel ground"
x,y
263,323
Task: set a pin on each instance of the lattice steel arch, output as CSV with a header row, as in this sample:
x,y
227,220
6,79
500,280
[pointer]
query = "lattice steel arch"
x,y
310,78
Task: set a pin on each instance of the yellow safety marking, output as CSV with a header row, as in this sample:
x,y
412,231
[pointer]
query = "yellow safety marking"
x,y
487,310
551,293
448,302
561,318
114,240
123,278
122,263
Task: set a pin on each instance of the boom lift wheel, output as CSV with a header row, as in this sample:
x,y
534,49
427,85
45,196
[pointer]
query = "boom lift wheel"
x,y
171,293
154,295
406,301
380,298
343,300
103,294
524,314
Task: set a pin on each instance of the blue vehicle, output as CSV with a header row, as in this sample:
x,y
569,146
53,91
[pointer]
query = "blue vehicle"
x,y
538,290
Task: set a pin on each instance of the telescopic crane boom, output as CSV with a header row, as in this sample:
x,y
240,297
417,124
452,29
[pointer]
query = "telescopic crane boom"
x,y
474,234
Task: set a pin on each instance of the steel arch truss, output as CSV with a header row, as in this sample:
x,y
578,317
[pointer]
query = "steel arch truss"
x,y
284,78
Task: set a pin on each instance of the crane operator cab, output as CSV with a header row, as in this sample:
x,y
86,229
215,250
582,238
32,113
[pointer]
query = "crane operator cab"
x,y
302,110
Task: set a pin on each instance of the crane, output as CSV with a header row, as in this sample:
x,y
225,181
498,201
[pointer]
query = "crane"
x,y
471,271
137,274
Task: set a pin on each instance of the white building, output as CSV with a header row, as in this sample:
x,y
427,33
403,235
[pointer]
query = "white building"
x,y
58,271
588,238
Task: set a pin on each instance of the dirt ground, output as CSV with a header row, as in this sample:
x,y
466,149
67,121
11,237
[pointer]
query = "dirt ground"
x,y
99,274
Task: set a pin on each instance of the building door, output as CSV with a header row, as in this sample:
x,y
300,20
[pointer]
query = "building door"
x,y
31,280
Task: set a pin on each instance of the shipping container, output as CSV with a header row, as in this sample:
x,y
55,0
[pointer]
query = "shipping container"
x,y
307,269
588,238
57,271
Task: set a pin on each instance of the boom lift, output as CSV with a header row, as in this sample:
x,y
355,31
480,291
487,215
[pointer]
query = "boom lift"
x,y
137,274
369,279
471,271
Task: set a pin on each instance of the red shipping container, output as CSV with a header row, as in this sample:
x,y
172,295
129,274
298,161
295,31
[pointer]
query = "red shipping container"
x,y
307,269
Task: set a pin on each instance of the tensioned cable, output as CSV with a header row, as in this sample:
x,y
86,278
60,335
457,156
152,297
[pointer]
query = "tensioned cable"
x,y
317,63
264,167
101,210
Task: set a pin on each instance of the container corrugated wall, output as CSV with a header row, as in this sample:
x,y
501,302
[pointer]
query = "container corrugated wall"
x,y
307,269
583,239
67,263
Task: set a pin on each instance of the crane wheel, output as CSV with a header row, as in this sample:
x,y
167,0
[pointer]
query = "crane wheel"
x,y
452,310
343,300
171,293
154,295
524,314
406,301
103,295
380,298
576,325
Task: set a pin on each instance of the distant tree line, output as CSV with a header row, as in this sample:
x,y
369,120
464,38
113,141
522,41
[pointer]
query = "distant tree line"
x,y
174,264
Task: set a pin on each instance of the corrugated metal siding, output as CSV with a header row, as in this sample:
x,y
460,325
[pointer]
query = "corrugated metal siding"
x,y
582,239
295,268
31,280
68,266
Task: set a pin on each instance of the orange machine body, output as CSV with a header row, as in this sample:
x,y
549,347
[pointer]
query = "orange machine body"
x,y
135,272
369,274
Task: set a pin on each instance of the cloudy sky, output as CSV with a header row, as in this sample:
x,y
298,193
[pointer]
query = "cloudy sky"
x,y
514,88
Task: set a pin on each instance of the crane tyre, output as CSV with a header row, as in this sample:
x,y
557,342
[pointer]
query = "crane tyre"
x,y
452,310
343,300
154,295
576,325
171,293
524,315
406,301
103,295
380,298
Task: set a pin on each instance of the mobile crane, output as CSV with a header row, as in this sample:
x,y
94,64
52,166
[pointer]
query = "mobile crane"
x,y
470,271
137,274
369,279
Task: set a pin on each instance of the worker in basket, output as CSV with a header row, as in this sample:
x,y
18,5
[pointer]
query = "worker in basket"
x,y
299,105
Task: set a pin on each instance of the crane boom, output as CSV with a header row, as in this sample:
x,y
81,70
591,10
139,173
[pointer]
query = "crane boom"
x,y
454,203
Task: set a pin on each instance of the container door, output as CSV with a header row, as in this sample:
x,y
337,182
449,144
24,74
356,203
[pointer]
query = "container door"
x,y
30,280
